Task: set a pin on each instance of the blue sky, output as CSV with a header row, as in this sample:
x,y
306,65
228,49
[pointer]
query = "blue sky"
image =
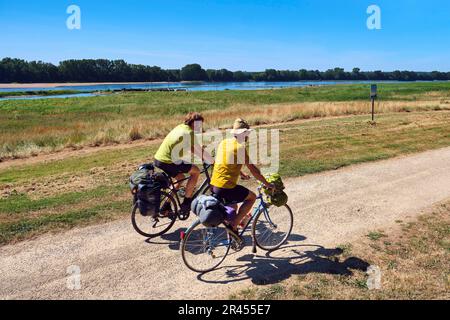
x,y
239,35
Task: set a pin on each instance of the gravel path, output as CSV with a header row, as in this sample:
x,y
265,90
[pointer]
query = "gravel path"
x,y
330,208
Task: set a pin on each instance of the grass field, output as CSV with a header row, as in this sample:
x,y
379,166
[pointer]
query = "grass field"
x,y
413,264
90,188
38,93
32,127
93,188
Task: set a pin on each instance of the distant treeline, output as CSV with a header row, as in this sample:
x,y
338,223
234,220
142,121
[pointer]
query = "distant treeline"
x,y
102,70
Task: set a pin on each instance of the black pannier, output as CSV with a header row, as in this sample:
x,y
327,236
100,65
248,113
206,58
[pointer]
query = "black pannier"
x,y
146,186
148,199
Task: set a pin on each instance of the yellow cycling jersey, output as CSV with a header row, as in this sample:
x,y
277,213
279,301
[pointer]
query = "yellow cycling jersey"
x,y
181,134
229,160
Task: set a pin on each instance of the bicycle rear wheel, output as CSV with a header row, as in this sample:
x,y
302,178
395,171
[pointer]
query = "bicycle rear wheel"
x,y
204,249
152,227
272,227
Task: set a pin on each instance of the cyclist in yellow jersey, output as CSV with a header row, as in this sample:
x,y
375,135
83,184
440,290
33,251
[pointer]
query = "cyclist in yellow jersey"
x,y
230,158
168,160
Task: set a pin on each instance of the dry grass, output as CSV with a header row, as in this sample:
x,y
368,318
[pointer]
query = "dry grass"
x,y
135,133
413,258
116,131
39,127
275,113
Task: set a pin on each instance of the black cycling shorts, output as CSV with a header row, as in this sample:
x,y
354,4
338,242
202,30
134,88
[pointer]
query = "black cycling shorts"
x,y
173,169
237,194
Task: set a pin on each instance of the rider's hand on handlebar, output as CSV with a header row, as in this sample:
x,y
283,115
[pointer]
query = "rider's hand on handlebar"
x,y
245,176
270,186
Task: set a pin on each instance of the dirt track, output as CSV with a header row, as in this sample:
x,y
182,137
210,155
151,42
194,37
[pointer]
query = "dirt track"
x,y
330,208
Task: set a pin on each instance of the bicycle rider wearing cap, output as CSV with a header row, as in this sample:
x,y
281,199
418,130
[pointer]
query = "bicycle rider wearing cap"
x,y
230,158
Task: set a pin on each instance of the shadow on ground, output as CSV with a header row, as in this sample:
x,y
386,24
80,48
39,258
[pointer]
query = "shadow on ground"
x,y
273,267
171,239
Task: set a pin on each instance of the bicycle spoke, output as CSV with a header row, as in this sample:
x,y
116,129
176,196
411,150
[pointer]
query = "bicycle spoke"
x,y
273,227
151,227
161,225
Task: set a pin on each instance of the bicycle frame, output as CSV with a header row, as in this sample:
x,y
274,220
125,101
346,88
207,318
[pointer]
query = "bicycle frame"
x,y
199,191
262,206
212,238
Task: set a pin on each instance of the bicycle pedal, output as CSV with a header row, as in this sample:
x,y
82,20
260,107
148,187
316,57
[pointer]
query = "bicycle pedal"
x,y
155,222
237,244
167,214
183,216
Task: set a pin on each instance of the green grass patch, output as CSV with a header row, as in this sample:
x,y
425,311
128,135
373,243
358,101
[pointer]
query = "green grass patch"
x,y
28,227
22,204
77,165
336,143
375,235
39,93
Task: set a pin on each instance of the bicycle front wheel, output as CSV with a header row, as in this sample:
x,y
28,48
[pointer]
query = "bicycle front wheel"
x,y
272,227
204,249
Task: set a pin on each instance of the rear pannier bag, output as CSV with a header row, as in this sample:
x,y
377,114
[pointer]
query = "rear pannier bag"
x,y
141,176
210,211
146,186
148,199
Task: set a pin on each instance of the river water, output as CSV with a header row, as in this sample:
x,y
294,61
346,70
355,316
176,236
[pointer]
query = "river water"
x,y
195,86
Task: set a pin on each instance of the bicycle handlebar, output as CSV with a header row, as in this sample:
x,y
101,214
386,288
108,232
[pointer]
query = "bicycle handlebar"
x,y
206,166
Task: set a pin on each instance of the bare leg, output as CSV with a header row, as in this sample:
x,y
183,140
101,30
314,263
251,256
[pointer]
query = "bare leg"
x,y
179,177
192,182
245,208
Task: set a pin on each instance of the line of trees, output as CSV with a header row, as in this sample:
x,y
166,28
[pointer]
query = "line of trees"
x,y
102,70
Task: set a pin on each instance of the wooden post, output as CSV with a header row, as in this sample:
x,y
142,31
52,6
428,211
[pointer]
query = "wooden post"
x,y
373,96
373,109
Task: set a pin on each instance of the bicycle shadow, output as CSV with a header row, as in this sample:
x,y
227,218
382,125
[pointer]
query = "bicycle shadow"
x,y
269,269
171,239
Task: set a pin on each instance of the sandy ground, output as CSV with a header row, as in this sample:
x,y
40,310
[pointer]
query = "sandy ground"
x,y
330,208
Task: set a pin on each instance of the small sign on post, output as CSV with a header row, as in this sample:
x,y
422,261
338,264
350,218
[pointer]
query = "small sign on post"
x,y
373,91
373,96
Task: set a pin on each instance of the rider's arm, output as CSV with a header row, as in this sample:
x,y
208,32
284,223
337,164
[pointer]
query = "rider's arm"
x,y
244,176
197,150
257,174
254,170
203,155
